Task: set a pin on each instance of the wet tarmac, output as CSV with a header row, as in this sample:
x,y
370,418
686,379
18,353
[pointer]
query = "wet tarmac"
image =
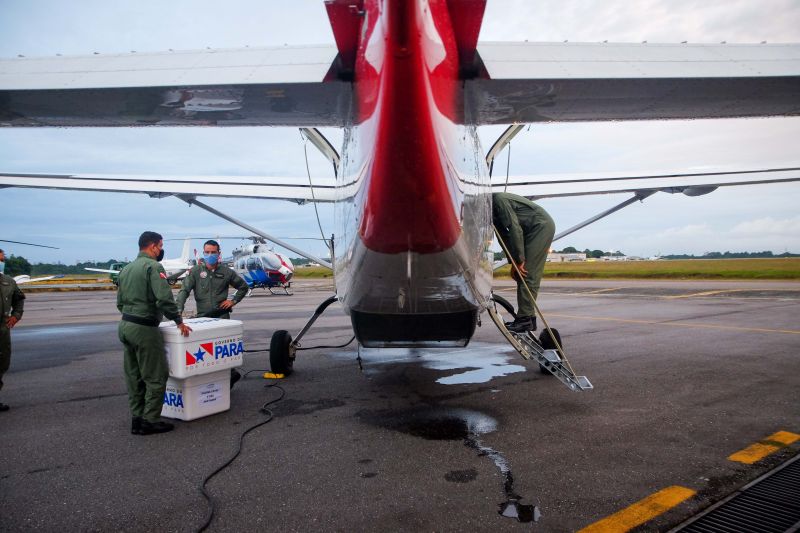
x,y
685,374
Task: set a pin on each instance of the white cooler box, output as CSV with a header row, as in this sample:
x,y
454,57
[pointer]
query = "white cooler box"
x,y
197,396
214,344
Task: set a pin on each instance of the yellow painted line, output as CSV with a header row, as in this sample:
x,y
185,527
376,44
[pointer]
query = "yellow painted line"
x,y
641,511
705,293
599,291
676,324
759,450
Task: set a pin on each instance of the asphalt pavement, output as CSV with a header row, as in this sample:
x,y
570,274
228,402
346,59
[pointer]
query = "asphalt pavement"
x,y
685,374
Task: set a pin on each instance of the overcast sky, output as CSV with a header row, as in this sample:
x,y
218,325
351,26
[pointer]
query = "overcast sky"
x,y
103,225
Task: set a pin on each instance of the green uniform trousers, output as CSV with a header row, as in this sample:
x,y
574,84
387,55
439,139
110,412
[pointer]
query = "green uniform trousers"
x,y
146,369
537,245
5,351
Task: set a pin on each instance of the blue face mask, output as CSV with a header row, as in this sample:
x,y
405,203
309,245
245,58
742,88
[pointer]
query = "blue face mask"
x,y
2,266
211,259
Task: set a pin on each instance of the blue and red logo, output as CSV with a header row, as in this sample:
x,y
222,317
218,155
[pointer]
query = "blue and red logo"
x,y
205,350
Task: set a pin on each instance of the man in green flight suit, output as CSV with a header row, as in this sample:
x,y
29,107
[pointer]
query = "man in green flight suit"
x,y
11,304
143,298
210,281
527,231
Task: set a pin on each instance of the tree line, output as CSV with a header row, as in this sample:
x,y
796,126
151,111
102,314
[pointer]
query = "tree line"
x,y
16,265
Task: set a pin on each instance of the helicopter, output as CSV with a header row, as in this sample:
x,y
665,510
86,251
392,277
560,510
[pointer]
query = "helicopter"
x,y
262,267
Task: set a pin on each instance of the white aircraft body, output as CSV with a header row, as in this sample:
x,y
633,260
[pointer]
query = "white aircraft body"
x,y
175,268
409,84
24,278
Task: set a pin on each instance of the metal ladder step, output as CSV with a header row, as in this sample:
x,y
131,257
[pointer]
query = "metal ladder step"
x,y
529,348
551,361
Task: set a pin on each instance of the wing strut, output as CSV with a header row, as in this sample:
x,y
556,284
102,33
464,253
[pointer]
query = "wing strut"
x,y
323,145
639,196
501,142
191,200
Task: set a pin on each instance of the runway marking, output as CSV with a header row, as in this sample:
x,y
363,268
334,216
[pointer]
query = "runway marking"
x,y
609,289
704,293
678,324
641,511
773,443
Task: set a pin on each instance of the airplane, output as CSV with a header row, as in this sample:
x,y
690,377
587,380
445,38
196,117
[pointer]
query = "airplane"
x,y
25,278
176,269
262,267
410,84
113,271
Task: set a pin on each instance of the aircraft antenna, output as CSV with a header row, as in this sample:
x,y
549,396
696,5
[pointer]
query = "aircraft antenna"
x,y
313,198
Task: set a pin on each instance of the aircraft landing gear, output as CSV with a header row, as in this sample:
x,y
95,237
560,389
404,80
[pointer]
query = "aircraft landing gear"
x,y
546,341
281,353
282,348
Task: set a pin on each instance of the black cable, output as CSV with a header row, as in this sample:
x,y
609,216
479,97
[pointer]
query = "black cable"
x,y
254,370
270,417
320,347
253,351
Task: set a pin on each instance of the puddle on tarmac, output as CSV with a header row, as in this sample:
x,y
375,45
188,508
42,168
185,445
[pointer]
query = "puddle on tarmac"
x,y
435,423
479,362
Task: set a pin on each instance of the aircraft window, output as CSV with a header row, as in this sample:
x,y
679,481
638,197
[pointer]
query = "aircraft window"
x,y
271,262
251,264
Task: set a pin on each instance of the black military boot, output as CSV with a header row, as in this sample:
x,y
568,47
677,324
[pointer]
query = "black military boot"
x,y
522,324
235,376
4,407
136,425
151,428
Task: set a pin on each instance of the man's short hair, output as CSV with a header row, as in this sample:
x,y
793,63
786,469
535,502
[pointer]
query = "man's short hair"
x,y
148,238
1,251
211,242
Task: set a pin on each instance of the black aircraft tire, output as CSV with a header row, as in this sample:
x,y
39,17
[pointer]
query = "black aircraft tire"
x,y
281,358
547,343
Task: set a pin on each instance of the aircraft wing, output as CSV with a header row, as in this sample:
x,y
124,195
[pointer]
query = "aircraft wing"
x,y
103,270
545,82
277,86
293,189
24,278
307,85
688,183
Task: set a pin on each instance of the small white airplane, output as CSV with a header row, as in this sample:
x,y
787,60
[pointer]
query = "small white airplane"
x,y
176,268
410,85
24,278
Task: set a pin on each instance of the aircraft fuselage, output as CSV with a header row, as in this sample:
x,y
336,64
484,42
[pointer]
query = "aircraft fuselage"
x,y
414,207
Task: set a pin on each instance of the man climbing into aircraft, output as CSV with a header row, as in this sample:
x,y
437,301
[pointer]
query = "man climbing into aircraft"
x,y
209,280
527,231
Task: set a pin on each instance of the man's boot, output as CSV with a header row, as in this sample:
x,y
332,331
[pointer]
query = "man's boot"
x,y
522,324
151,428
136,425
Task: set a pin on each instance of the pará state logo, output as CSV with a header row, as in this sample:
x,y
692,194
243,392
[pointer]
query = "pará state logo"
x,y
206,350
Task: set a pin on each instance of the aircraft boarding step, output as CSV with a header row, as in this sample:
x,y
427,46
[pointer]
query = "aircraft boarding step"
x,y
529,348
